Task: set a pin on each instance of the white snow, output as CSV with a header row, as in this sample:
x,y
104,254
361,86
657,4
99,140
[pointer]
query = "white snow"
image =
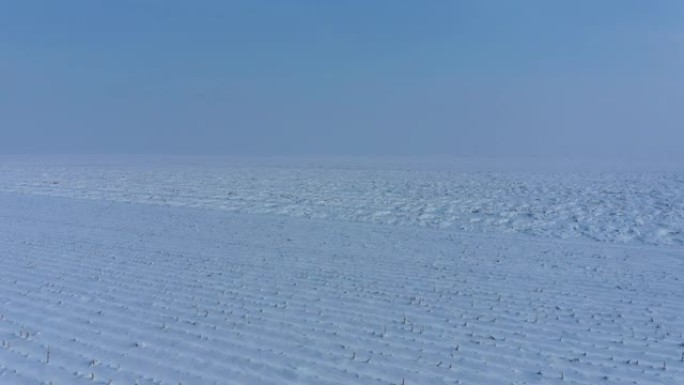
x,y
633,207
244,273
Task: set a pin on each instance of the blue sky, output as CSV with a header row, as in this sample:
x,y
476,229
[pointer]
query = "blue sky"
x,y
492,78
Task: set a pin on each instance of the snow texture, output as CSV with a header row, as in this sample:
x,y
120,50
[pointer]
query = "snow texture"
x,y
642,207
223,281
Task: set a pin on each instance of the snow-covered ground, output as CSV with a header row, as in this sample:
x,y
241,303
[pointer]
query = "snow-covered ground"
x,y
632,204
207,272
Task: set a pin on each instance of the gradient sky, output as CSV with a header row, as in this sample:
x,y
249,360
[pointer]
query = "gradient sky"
x,y
492,78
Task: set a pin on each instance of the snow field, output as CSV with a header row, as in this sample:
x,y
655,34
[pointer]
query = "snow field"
x,y
99,292
628,207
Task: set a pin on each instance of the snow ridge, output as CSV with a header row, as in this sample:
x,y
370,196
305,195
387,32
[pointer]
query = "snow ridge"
x,y
105,292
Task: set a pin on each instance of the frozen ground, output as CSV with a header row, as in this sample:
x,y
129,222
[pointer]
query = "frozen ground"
x,y
633,204
243,290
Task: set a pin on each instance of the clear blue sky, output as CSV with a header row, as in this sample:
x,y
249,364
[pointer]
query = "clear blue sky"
x,y
342,77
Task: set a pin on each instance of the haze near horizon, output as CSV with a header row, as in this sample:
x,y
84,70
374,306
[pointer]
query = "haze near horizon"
x,y
301,78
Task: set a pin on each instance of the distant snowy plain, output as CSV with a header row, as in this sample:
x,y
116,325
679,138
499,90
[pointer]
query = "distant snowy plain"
x,y
206,271
568,201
